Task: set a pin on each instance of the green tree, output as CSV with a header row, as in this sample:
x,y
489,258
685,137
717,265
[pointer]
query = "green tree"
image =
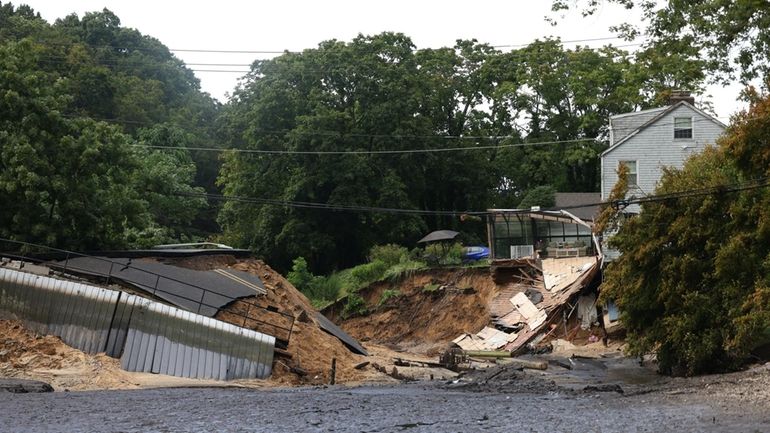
x,y
731,36
692,281
561,95
164,177
369,95
65,181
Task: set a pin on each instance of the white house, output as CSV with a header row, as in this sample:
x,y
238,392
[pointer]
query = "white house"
x,y
648,140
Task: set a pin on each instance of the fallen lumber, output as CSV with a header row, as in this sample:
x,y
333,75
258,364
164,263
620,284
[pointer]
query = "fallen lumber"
x,y
487,353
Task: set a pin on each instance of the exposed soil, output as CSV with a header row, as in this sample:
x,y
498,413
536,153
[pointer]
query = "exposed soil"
x,y
26,355
433,308
310,349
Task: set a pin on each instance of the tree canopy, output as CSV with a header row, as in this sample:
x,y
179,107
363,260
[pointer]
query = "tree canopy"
x,y
542,109
693,280
721,36
76,98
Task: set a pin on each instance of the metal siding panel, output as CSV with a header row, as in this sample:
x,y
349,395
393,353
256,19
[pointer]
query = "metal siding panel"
x,y
175,360
186,350
119,328
219,361
169,350
203,343
152,336
66,317
195,345
151,328
141,326
125,358
106,307
161,341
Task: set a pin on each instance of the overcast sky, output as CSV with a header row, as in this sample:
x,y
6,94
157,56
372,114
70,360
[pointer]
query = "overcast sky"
x,y
295,25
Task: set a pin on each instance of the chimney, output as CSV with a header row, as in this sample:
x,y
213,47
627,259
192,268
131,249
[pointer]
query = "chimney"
x,y
680,95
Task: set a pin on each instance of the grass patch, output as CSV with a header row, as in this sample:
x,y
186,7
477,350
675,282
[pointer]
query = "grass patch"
x,y
388,295
431,287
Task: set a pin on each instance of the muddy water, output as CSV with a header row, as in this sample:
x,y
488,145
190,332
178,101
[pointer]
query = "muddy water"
x,y
412,408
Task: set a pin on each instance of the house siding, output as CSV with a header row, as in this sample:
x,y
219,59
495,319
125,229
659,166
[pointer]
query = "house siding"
x,y
624,124
654,147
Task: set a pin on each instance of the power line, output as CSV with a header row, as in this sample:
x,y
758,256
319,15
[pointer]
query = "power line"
x,y
695,192
363,152
327,206
717,189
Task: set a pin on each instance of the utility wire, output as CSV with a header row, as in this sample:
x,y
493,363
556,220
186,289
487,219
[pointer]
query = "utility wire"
x,y
696,192
717,189
326,206
274,51
363,152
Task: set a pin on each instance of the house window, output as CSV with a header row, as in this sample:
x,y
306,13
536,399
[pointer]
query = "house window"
x,y
682,127
632,177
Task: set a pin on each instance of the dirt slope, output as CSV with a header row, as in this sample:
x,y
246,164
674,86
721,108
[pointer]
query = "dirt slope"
x,y
434,307
310,348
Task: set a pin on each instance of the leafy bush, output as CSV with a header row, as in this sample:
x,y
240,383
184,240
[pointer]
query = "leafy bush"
x,y
403,269
355,306
320,290
390,254
445,254
388,295
369,272
543,196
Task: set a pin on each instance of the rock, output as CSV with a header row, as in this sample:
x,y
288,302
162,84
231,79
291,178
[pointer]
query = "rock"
x,y
604,388
22,386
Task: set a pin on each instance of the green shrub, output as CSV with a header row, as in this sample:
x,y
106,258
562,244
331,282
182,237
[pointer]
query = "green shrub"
x,y
390,254
403,270
300,276
388,295
355,306
445,254
369,272
320,290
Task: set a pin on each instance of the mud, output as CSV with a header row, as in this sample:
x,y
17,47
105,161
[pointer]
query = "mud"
x,y
729,405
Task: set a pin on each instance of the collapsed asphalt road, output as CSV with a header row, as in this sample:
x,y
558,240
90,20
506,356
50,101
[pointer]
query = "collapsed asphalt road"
x,y
736,403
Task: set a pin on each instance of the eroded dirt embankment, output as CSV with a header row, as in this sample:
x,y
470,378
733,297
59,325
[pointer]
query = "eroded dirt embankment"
x,y
432,308
311,350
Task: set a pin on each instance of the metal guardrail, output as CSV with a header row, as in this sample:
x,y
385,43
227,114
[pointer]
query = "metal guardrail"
x,y
282,332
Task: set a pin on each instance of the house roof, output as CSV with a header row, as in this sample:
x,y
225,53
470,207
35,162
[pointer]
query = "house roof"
x,y
581,204
658,116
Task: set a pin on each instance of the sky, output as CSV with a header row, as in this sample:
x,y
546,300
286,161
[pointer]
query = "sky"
x,y
296,25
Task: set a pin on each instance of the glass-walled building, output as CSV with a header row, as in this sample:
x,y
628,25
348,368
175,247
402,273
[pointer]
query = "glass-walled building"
x,y
523,233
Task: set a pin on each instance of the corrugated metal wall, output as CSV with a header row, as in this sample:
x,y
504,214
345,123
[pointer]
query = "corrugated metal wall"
x,y
147,336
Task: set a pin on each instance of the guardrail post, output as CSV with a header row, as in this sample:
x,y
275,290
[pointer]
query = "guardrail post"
x,y
200,304
66,261
247,316
109,275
